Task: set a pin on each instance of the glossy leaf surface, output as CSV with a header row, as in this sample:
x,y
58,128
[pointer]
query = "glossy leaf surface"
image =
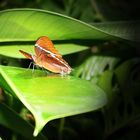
x,y
64,49
30,24
20,28
50,97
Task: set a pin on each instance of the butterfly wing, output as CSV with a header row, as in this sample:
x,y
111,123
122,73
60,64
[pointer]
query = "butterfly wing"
x,y
48,57
27,55
54,64
51,62
45,44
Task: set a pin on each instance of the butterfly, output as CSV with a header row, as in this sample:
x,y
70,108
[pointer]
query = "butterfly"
x,y
46,56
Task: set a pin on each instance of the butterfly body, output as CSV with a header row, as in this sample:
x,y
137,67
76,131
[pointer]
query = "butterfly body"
x,y
46,56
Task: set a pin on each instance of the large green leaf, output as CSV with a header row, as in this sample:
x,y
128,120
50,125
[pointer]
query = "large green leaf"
x,y
29,24
51,96
13,50
20,27
128,30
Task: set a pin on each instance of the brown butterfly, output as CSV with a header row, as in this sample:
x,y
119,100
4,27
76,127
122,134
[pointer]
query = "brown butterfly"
x,y
46,56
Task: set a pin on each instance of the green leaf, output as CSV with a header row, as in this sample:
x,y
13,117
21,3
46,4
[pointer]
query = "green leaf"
x,y
105,82
111,110
128,30
64,49
20,27
10,119
95,66
50,97
125,69
122,88
29,24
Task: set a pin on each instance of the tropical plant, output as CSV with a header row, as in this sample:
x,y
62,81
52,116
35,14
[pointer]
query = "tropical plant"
x,y
101,94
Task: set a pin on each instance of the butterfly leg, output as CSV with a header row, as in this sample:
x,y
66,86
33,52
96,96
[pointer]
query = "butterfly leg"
x,y
30,65
62,72
34,65
33,68
44,70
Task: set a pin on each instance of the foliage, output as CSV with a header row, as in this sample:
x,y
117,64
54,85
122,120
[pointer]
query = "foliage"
x,y
98,100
